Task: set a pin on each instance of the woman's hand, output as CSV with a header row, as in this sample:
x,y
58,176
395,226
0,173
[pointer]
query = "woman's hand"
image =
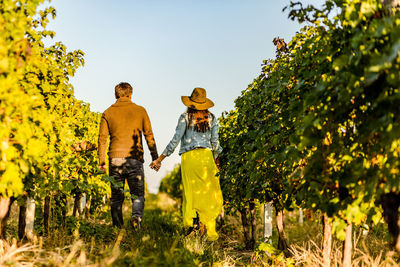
x,y
156,164
217,162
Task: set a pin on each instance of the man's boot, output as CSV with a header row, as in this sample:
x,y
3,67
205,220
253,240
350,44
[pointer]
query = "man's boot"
x,y
135,222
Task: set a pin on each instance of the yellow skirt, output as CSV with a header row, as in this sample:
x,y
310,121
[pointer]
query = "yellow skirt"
x,y
201,189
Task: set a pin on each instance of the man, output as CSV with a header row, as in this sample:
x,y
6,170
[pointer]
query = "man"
x,y
125,123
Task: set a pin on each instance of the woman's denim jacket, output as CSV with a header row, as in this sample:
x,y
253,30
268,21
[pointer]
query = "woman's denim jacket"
x,y
191,139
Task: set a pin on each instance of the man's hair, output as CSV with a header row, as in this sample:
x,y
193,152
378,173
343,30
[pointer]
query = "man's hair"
x,y
123,89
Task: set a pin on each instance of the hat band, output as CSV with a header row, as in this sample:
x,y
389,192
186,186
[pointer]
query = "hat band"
x,y
197,101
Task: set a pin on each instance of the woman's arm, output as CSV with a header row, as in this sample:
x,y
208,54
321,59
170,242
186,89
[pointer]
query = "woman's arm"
x,y
179,132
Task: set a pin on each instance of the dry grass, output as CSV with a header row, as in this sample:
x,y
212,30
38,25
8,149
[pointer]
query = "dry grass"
x,y
74,255
310,254
372,250
161,241
12,255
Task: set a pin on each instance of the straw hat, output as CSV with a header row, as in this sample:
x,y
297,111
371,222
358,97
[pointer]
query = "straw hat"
x,y
198,99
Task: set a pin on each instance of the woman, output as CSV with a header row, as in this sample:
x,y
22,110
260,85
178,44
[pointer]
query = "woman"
x,y
197,131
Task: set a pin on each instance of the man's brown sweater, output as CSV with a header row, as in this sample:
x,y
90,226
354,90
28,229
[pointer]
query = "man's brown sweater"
x,y
125,122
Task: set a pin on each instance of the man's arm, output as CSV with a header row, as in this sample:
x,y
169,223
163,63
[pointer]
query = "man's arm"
x,y
148,134
102,145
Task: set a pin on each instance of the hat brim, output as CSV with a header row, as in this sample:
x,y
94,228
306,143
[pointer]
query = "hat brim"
x,y
198,106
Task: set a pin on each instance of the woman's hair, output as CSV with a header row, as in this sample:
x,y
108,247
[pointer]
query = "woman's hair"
x,y
199,120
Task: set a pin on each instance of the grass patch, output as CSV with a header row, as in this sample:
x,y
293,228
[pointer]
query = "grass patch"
x,y
161,241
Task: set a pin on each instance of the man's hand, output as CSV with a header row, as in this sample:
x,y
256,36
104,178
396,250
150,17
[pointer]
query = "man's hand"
x,y
156,165
103,167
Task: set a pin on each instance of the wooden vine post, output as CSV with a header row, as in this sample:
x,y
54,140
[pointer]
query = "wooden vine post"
x,y
327,241
301,216
5,205
82,203
79,204
26,218
268,222
30,218
348,246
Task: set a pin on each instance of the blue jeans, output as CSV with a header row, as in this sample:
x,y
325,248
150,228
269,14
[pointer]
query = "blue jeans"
x,y
131,170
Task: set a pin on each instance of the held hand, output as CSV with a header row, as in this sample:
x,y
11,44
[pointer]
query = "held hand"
x,y
156,165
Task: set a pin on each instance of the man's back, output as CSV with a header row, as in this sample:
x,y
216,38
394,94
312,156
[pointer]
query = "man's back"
x,y
125,122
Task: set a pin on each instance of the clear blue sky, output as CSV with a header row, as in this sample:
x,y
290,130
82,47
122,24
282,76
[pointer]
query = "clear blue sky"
x,y
166,48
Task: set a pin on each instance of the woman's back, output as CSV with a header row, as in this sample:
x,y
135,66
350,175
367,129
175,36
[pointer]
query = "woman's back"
x,y
195,130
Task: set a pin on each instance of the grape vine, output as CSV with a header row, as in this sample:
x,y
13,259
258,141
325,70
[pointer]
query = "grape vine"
x,y
320,128
47,136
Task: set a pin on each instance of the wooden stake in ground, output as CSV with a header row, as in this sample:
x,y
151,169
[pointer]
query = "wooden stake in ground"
x,y
82,203
301,216
79,204
30,218
348,246
5,205
268,222
327,241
